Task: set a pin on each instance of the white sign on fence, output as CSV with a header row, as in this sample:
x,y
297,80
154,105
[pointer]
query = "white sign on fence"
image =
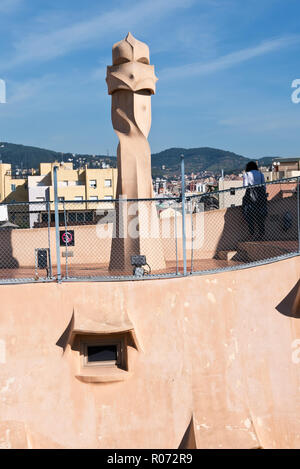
x,y
3,213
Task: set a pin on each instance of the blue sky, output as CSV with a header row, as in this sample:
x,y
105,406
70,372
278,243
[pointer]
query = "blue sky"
x,y
225,70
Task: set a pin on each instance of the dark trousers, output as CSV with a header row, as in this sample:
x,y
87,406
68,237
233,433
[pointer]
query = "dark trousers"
x,y
256,221
255,214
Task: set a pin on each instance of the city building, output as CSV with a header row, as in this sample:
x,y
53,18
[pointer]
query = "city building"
x,y
230,198
13,186
282,168
160,186
79,192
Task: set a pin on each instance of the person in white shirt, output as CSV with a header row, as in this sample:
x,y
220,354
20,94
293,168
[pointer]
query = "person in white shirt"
x,y
253,176
255,199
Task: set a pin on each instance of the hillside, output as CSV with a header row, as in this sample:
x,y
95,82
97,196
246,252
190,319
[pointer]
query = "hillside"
x,y
30,157
196,159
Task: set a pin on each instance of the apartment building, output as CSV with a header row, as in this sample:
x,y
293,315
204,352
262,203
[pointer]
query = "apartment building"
x,y
232,197
282,168
13,187
79,192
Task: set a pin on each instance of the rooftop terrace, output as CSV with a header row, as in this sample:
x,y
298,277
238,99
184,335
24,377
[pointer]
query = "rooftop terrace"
x,y
211,239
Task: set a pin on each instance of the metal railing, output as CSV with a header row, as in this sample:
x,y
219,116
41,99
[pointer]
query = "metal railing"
x,y
94,240
244,227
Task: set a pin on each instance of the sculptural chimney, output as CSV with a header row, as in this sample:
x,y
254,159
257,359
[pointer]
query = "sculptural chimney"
x,y
131,82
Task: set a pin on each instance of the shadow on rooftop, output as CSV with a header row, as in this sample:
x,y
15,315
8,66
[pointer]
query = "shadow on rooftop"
x,y
290,305
7,261
65,337
188,440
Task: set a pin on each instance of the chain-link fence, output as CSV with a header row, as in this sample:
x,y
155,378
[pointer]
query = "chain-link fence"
x,y
103,236
26,242
242,226
153,238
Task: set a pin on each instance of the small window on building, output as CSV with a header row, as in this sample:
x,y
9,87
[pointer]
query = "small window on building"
x,y
232,191
44,217
94,197
102,354
61,199
89,216
13,187
40,199
93,183
105,351
80,217
78,197
61,219
108,197
72,217
107,183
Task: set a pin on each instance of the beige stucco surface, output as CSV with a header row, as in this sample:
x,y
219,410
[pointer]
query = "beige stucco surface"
x,y
211,348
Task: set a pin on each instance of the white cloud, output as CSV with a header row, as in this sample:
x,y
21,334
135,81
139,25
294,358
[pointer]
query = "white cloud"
x,y
30,89
43,47
229,60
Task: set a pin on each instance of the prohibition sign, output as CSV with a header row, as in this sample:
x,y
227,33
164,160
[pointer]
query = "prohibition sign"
x,y
67,238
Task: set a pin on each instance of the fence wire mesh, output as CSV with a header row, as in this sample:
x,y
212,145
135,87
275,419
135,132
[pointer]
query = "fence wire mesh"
x,y
26,243
105,235
97,239
245,225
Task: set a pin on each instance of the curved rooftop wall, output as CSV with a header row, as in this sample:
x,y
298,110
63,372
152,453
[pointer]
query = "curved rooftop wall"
x,y
213,362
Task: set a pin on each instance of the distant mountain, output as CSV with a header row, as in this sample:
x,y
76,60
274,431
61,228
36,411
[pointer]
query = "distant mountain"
x,y
267,160
31,157
197,159
165,163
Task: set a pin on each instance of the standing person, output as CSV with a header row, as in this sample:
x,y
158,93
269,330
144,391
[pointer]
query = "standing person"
x,y
255,199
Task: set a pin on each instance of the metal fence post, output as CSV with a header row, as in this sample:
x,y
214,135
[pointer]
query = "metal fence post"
x,y
192,238
176,239
49,238
66,240
56,225
183,215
